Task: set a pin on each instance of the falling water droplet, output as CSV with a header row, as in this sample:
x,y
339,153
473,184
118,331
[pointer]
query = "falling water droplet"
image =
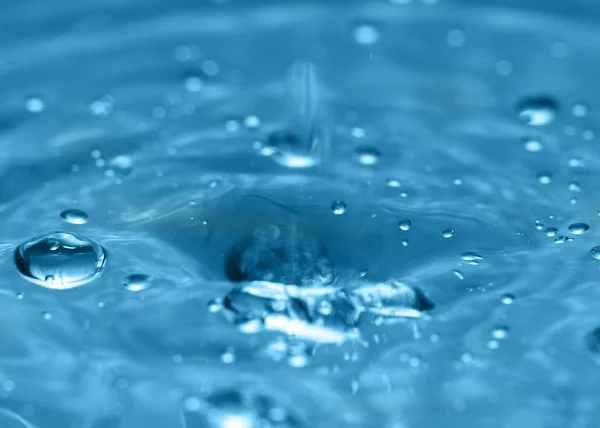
x,y
367,155
448,233
137,282
74,216
338,207
578,228
538,111
405,225
60,260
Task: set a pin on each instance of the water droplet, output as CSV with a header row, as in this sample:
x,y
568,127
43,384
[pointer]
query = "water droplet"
x,y
392,183
595,253
96,154
580,110
325,307
137,282
493,345
551,232
538,111
232,125
560,239
193,83
392,299
367,155
500,332
60,260
404,242
252,122
121,165
459,274
533,145
47,316
74,216
578,228
358,132
366,34
544,178
228,356
35,105
20,296
574,186
471,258
507,299
539,225
405,225
289,149
102,107
338,207
448,233
575,162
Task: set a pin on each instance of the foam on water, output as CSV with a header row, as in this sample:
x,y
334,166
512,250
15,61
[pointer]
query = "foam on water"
x,y
299,214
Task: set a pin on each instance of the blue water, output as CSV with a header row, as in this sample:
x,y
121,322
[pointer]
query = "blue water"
x,y
293,214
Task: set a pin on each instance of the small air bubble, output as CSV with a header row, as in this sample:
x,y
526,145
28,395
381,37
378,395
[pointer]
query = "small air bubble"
x,y
544,178
367,155
507,299
228,356
392,183
580,110
533,145
137,282
500,332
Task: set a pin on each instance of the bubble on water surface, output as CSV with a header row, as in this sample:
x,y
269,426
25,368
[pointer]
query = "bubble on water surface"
x,y
448,233
578,228
507,299
392,299
60,260
533,145
35,105
282,254
537,111
366,34
137,282
500,332
121,165
471,258
405,225
338,207
544,178
367,155
74,216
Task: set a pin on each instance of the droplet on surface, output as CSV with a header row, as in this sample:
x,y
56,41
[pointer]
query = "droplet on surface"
x,y
392,299
367,155
533,145
595,253
507,299
551,232
500,332
338,207
391,182
537,111
544,178
448,233
60,260
471,258
578,228
121,165
35,105
137,282
74,216
366,34
405,225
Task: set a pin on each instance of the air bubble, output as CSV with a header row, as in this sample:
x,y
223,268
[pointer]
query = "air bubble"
x,y
338,207
538,111
532,145
544,178
500,332
367,155
405,225
578,228
137,282
60,260
448,233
